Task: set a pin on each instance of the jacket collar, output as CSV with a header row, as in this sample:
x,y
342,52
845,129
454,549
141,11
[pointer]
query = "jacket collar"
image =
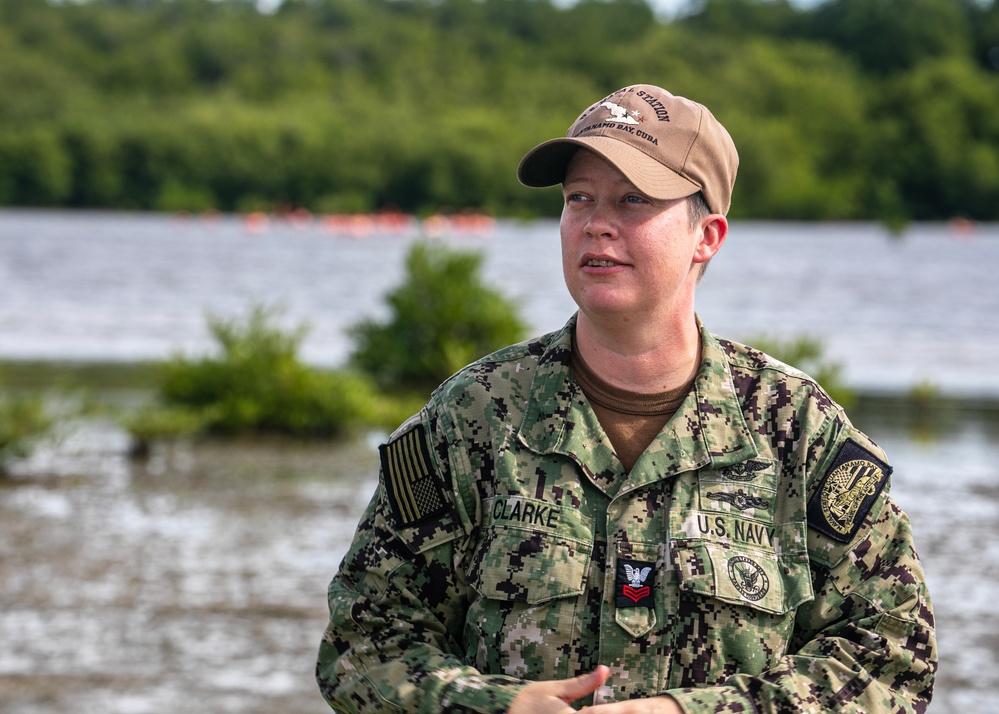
x,y
709,428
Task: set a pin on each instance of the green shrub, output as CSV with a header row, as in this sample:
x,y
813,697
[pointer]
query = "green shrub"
x,y
443,317
258,383
21,418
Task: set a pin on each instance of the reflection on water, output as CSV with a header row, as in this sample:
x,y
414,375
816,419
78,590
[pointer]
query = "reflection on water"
x,y
195,581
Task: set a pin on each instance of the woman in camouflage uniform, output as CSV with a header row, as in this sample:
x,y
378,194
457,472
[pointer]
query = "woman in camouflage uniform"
x,y
631,513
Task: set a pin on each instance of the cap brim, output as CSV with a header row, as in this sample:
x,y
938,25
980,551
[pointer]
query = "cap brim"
x,y
546,164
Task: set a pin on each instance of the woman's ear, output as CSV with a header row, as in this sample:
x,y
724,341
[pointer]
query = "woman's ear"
x,y
713,230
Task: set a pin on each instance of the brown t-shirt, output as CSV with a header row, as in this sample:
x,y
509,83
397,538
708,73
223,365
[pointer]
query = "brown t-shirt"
x,y
630,419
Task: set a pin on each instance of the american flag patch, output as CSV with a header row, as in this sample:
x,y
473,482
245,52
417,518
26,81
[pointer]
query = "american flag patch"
x,y
413,489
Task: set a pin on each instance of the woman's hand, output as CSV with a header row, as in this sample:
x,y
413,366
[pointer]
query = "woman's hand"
x,y
555,695
653,705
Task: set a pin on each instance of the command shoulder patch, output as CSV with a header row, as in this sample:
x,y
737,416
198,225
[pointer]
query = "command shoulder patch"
x,y
413,489
848,490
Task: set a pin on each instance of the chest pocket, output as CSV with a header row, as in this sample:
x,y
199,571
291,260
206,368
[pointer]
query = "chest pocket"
x,y
531,551
754,578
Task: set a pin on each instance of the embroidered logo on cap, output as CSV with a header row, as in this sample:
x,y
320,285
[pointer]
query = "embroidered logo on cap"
x,y
621,114
633,586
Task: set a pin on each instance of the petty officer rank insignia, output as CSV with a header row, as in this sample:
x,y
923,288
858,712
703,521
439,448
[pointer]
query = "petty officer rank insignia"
x,y
412,487
847,492
633,586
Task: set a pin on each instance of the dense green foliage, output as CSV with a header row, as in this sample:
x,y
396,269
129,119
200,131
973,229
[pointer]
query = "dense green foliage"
x,y
885,109
442,317
256,382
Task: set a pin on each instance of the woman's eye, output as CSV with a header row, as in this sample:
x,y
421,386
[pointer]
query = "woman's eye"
x,y
636,199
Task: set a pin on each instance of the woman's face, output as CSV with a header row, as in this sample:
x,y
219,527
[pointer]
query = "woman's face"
x,y
624,254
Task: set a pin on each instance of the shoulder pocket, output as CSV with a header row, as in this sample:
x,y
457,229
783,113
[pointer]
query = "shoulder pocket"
x,y
531,551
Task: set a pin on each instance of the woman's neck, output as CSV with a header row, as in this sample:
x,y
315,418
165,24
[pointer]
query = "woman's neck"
x,y
640,359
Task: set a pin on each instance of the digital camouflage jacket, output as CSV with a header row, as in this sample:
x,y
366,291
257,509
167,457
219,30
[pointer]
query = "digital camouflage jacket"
x,y
751,561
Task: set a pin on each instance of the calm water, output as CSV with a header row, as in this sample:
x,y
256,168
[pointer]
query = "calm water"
x,y
893,312
195,580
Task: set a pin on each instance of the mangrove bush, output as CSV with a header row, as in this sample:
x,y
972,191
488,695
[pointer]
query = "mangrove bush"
x,y
442,317
257,383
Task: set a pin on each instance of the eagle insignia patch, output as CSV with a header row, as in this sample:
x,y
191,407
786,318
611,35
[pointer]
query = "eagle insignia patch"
x,y
848,490
633,586
412,487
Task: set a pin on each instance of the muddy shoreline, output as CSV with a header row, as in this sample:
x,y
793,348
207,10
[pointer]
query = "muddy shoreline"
x,y
192,581
195,580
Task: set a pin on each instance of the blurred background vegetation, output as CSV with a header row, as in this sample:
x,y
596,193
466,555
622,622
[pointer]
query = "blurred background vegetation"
x,y
851,109
443,316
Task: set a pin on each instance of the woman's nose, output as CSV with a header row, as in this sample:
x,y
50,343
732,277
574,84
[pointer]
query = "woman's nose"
x,y
601,222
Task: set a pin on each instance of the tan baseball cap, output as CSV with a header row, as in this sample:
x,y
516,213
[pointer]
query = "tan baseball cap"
x,y
667,146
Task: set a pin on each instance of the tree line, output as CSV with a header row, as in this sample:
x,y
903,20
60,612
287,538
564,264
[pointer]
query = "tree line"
x,y
853,109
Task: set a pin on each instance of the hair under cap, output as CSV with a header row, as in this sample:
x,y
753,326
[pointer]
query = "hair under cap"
x,y
667,146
